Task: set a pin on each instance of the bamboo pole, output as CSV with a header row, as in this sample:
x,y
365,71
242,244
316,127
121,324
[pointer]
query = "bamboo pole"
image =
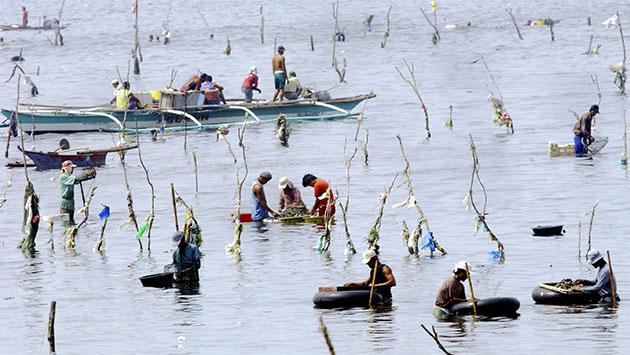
x,y
20,125
196,178
58,36
472,292
136,62
146,173
51,327
322,327
386,33
312,44
590,227
174,207
334,36
624,157
612,280
262,26
623,43
373,282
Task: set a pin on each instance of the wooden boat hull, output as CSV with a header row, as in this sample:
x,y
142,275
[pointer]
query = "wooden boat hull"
x,y
19,27
51,160
68,121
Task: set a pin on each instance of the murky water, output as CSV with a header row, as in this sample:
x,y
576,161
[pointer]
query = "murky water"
x,y
263,304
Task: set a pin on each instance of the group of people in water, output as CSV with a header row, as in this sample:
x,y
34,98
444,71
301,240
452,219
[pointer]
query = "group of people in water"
x,y
290,203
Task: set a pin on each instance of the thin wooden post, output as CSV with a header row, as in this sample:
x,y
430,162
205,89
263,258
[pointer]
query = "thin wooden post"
x,y
312,44
373,282
612,280
136,62
196,179
623,43
174,207
590,228
51,327
472,292
322,327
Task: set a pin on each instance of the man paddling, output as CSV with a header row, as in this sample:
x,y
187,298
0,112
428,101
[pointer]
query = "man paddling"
x,y
186,259
66,185
452,291
601,285
260,209
384,279
582,131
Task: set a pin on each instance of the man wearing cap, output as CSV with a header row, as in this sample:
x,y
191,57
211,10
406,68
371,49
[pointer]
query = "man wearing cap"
x,y
250,84
290,201
323,194
186,259
452,290
601,285
384,280
66,184
279,73
260,209
582,131
293,89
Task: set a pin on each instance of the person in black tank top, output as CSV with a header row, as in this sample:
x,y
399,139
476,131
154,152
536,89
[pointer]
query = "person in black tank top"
x,y
384,276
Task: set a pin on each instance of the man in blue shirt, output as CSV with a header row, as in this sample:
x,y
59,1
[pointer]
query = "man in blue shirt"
x,y
186,259
602,284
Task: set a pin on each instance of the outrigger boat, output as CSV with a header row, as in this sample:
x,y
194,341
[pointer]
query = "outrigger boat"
x,y
82,157
177,111
39,28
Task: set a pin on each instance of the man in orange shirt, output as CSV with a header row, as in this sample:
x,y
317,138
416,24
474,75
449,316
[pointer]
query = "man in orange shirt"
x,y
322,195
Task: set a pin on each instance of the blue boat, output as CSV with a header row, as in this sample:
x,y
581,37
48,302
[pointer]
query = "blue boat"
x,y
175,114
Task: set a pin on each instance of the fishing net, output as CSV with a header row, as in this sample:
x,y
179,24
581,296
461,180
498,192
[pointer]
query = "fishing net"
x,y
30,223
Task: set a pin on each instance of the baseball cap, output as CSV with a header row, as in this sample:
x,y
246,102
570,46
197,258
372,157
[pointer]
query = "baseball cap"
x,y
368,255
68,163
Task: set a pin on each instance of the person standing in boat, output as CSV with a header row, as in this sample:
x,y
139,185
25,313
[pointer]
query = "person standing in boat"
x,y
290,202
293,89
323,194
24,17
66,185
452,290
602,285
582,131
186,259
279,73
260,209
250,84
125,99
383,280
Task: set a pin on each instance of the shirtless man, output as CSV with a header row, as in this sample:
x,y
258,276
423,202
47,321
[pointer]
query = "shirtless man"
x,y
279,73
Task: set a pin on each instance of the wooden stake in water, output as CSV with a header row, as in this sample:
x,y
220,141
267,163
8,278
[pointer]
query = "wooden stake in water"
x,y
472,292
590,227
196,180
312,44
51,327
322,327
612,282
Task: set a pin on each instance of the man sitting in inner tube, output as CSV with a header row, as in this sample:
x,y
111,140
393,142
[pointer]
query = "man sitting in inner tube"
x,y
384,278
452,291
602,284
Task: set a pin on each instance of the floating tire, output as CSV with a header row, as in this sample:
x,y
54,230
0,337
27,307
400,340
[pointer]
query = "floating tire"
x,y
492,307
346,299
546,296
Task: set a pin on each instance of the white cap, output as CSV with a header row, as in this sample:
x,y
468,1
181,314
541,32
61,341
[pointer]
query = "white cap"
x,y
368,255
593,256
115,81
284,182
461,265
253,69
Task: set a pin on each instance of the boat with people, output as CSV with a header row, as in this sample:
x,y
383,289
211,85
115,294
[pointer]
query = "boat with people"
x,y
174,110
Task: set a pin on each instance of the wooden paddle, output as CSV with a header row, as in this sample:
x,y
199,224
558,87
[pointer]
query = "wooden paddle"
x,y
373,282
472,293
612,283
